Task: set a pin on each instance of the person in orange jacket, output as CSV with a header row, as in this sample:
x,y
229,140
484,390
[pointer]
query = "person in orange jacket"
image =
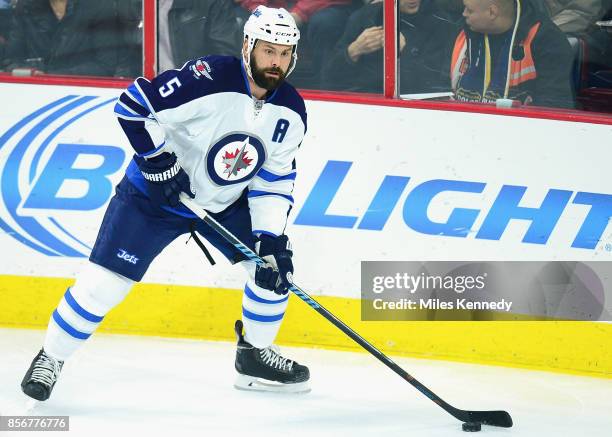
x,y
509,50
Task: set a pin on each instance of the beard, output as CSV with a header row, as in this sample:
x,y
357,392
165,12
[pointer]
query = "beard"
x,y
263,81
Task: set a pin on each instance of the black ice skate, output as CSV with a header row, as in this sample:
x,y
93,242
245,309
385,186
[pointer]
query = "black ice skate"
x,y
42,375
266,370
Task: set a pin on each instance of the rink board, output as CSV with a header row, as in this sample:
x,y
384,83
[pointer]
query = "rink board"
x,y
209,313
362,170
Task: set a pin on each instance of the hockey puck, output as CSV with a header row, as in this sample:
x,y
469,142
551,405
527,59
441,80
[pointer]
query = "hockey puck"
x,y
471,426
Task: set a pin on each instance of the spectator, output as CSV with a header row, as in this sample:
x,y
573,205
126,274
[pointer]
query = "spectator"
x,y
63,37
574,16
321,22
6,9
453,9
425,47
130,30
539,55
190,29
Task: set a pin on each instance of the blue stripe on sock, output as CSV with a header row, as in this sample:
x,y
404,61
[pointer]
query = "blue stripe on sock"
x,y
258,318
80,310
69,329
251,295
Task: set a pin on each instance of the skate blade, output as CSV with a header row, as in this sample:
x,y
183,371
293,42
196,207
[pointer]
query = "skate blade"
x,y
250,383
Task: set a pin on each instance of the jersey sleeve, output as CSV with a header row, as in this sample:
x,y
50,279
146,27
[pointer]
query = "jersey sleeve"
x,y
142,108
138,123
270,192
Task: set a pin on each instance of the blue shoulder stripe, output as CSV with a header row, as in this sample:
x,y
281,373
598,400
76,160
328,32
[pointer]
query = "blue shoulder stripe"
x,y
121,111
130,103
136,95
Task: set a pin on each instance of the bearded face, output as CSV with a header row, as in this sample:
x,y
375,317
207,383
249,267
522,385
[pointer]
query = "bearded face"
x,y
267,78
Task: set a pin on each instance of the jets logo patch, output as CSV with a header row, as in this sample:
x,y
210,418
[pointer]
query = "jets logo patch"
x,y
201,69
235,158
235,162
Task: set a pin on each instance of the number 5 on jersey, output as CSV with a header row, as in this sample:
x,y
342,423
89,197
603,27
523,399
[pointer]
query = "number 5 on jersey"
x,y
169,87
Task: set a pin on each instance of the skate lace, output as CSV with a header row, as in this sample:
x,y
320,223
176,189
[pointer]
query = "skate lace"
x,y
272,357
46,370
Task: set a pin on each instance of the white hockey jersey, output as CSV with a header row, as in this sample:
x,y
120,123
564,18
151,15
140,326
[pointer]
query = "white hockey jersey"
x,y
224,139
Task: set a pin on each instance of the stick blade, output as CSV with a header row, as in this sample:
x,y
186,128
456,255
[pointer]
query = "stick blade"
x,y
493,418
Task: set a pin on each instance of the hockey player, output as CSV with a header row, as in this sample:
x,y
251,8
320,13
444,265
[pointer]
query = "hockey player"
x,y
225,132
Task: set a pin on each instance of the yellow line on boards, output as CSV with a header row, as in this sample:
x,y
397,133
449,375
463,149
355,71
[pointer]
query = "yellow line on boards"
x,y
208,313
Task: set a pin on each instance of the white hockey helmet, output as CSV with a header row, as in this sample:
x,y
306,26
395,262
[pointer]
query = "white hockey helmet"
x,y
273,25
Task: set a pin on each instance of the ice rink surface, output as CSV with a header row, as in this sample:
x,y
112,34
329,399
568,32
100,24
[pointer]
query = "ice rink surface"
x,y
133,386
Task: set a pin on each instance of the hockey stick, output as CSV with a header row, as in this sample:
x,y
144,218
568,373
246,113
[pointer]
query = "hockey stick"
x,y
494,418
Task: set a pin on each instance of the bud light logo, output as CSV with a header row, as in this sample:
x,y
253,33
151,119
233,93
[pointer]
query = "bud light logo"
x,y
53,181
505,208
46,178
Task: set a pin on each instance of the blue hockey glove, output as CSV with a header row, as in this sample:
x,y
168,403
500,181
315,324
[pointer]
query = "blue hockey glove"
x,y
165,179
277,274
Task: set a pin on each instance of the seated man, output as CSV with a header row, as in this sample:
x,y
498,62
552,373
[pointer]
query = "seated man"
x,y
426,40
498,55
63,37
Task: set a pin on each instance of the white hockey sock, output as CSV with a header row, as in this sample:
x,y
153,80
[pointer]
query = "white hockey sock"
x,y
69,327
81,310
262,314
